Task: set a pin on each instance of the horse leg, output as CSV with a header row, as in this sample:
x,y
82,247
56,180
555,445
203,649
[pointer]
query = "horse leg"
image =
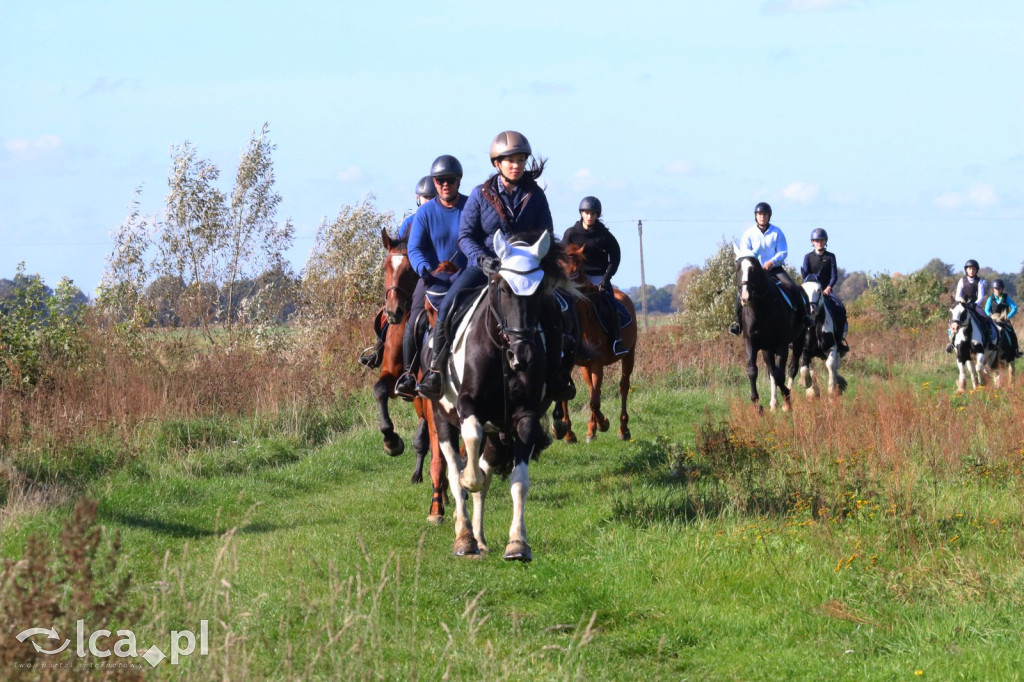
x,y
627,372
835,382
567,434
472,478
465,542
421,446
382,391
597,416
518,549
752,375
963,368
479,498
438,473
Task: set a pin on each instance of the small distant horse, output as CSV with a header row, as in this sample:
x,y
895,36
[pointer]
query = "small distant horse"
x,y
495,388
594,353
399,282
772,318
822,341
981,347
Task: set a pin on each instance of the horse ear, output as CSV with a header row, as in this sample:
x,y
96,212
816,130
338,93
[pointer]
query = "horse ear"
x,y
500,244
385,238
542,246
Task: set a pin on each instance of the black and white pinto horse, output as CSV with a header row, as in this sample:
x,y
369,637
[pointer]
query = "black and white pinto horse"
x,y
495,390
822,341
980,346
772,318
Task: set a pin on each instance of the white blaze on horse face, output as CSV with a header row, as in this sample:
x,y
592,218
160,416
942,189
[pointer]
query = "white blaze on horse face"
x,y
813,291
745,266
396,262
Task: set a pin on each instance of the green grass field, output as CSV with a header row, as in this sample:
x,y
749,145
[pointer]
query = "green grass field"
x,y
714,546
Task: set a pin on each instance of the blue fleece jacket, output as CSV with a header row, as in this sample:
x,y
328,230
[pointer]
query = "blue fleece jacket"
x,y
434,236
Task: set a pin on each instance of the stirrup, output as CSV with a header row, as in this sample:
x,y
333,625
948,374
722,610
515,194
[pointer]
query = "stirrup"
x,y
371,357
619,348
405,387
734,328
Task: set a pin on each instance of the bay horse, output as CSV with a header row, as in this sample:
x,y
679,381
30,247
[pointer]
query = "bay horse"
x,y
772,319
495,388
594,352
399,282
821,341
981,347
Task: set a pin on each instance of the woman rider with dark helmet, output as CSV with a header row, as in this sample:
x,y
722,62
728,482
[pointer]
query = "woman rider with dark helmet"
x,y
601,256
511,201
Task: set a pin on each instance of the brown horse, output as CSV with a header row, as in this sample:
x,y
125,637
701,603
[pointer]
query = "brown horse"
x,y
594,353
399,282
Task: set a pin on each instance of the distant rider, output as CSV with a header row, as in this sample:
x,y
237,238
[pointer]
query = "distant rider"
x,y
425,191
970,290
1000,307
820,266
601,257
767,242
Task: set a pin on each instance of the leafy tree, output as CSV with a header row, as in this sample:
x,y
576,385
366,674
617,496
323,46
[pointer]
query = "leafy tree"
x,y
683,281
938,269
850,286
344,278
122,290
710,297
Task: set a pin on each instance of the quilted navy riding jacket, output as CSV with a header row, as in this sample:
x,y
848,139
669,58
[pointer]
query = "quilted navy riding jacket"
x,y
490,209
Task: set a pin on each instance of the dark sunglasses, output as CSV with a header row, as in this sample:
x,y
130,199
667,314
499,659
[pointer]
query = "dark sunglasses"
x,y
446,180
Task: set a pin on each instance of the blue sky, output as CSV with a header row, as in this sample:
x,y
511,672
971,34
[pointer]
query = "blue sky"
x,y
897,125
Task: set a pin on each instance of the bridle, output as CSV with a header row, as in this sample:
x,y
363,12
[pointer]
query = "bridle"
x,y
507,339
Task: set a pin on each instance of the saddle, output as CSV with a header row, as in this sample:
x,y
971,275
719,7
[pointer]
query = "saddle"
x,y
609,311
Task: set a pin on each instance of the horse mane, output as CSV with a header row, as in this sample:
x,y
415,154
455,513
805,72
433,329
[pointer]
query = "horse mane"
x,y
445,267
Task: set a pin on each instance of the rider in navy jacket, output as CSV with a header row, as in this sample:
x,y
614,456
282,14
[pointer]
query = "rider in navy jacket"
x,y
512,201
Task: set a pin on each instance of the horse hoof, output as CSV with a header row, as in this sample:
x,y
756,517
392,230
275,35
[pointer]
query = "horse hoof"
x,y
436,520
518,550
394,446
603,425
624,434
786,407
570,438
417,477
590,438
559,429
466,546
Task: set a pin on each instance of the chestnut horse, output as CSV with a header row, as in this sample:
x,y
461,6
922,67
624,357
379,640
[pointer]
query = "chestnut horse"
x,y
399,282
594,353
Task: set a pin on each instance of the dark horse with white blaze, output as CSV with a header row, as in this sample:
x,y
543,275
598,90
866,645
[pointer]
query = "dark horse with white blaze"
x,y
593,352
772,318
495,389
981,347
823,341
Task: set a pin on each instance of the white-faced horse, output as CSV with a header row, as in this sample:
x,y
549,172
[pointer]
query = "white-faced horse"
x,y
822,341
980,347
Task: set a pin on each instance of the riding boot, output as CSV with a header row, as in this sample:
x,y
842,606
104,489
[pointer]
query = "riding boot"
x,y
559,380
406,384
612,325
432,385
374,355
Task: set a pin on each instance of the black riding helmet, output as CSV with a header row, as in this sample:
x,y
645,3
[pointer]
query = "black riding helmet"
x,y
445,165
971,264
997,284
425,188
591,204
817,233
763,207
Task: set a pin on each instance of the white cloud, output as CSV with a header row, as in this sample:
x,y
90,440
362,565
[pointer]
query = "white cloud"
x,y
799,6
351,174
800,192
582,179
679,167
978,195
28,150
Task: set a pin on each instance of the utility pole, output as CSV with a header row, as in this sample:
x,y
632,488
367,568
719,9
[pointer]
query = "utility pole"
x,y
643,280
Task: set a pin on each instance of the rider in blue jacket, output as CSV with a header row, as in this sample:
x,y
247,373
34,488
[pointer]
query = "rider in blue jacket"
x,y
433,239
372,356
511,201
1000,307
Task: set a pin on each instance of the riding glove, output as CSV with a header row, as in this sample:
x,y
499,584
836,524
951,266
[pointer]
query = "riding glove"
x,y
488,264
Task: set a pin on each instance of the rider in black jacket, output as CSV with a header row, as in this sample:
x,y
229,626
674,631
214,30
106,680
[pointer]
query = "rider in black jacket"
x,y
601,256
